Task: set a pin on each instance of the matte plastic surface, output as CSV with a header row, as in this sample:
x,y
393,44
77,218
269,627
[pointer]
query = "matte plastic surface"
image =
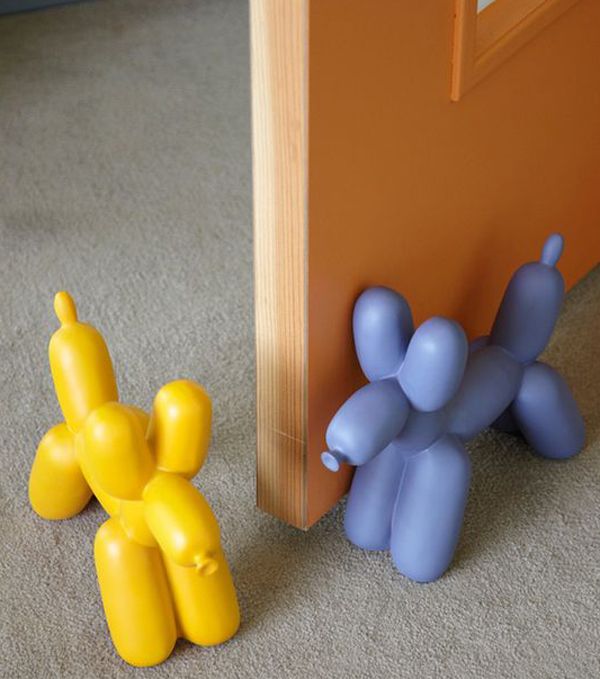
x,y
161,570
429,393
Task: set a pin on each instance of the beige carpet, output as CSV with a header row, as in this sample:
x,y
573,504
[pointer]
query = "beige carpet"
x,y
125,158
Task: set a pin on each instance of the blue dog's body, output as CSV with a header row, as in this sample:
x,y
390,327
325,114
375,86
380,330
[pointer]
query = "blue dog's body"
x,y
429,394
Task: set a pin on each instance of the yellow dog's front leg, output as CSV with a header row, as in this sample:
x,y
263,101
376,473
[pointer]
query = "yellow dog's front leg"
x,y
136,596
57,489
206,604
189,537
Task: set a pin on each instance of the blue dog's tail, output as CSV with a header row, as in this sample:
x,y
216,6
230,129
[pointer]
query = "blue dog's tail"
x,y
530,306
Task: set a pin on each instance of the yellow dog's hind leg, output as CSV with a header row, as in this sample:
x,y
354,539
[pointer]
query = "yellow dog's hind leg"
x,y
206,602
57,489
136,596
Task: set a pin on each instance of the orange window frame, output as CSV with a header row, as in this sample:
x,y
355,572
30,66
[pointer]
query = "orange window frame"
x,y
484,40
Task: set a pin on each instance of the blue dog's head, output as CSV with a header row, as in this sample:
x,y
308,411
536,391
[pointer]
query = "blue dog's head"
x,y
406,369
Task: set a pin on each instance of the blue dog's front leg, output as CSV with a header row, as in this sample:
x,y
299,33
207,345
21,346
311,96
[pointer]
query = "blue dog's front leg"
x,y
429,509
368,518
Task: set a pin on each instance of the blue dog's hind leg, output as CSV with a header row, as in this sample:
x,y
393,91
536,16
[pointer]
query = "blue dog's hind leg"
x,y
371,499
429,510
546,413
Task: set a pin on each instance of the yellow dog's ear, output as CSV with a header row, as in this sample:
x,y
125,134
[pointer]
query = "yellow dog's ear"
x,y
179,431
81,367
114,452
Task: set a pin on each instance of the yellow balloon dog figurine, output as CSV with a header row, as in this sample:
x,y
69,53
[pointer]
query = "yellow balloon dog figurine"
x,y
160,565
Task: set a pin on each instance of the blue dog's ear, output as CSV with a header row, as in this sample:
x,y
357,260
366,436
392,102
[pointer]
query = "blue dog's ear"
x,y
435,363
383,326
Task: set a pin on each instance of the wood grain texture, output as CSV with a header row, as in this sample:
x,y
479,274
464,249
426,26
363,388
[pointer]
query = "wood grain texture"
x,y
279,104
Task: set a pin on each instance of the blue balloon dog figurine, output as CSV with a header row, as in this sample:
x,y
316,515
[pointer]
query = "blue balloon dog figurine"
x,y
429,393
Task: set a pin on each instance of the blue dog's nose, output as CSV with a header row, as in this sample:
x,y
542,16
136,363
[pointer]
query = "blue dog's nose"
x,y
332,460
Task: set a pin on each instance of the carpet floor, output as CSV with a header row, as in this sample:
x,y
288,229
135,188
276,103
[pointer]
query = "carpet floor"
x,y
126,179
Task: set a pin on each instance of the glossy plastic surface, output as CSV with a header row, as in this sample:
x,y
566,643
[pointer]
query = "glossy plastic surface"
x,y
161,569
428,394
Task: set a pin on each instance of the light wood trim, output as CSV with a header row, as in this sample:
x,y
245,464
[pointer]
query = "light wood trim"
x,y
279,123
484,40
